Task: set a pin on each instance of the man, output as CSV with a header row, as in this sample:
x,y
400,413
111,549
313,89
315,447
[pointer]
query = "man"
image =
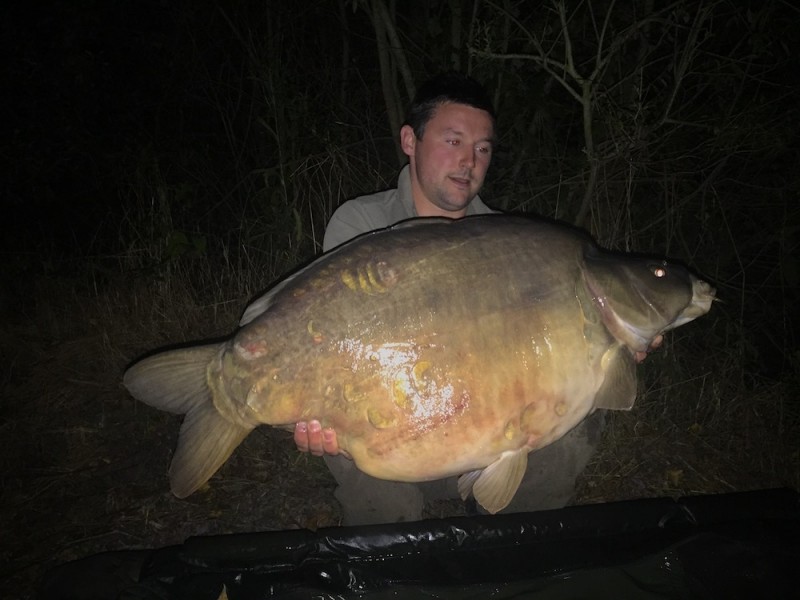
x,y
448,137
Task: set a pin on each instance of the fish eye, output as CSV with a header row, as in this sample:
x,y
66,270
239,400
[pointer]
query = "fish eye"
x,y
659,270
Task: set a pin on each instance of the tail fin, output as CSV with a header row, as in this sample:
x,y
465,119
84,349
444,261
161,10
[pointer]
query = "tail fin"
x,y
206,441
175,381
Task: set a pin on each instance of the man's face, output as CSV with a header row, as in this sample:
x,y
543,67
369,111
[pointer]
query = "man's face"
x,y
449,163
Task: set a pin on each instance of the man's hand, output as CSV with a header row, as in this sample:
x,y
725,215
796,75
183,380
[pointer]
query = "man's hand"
x,y
311,437
657,341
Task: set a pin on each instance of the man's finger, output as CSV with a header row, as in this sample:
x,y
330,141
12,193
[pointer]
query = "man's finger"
x,y
315,438
301,436
329,442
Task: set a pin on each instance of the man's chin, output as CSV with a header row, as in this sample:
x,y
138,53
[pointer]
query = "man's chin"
x,y
457,201
457,209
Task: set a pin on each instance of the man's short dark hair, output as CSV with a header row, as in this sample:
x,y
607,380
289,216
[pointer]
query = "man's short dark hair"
x,y
451,86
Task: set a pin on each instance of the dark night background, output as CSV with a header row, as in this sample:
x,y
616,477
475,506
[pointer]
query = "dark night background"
x,y
162,162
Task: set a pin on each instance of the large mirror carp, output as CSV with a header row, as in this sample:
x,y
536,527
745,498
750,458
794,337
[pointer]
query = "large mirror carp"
x,y
433,348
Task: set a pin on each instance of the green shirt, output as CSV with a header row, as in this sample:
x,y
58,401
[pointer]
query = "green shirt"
x,y
376,211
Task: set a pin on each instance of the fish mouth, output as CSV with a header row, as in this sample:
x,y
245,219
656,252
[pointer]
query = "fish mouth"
x,y
703,295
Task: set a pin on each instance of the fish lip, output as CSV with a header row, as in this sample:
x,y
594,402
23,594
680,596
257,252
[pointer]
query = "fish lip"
x,y
703,296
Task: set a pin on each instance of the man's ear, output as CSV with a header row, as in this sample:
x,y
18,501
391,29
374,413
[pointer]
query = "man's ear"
x,y
408,140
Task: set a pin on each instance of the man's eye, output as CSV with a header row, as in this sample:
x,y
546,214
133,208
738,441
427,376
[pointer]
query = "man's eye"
x,y
454,142
484,149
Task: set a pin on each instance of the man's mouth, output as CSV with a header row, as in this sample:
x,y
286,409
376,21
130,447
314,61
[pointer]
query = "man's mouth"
x,y
460,181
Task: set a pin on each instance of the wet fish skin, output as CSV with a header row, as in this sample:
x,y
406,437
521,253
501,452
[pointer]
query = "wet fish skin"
x,y
433,348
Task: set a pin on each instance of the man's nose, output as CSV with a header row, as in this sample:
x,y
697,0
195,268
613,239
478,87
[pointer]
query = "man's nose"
x,y
468,157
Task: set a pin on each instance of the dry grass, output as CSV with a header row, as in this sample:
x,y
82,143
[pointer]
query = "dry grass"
x,y
705,435
84,465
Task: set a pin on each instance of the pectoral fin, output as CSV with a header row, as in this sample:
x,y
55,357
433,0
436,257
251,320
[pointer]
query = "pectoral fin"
x,y
495,486
618,391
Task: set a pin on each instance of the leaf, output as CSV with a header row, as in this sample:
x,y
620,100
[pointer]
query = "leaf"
x,y
675,477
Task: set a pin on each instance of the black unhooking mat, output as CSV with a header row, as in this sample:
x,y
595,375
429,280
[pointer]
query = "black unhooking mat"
x,y
744,545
